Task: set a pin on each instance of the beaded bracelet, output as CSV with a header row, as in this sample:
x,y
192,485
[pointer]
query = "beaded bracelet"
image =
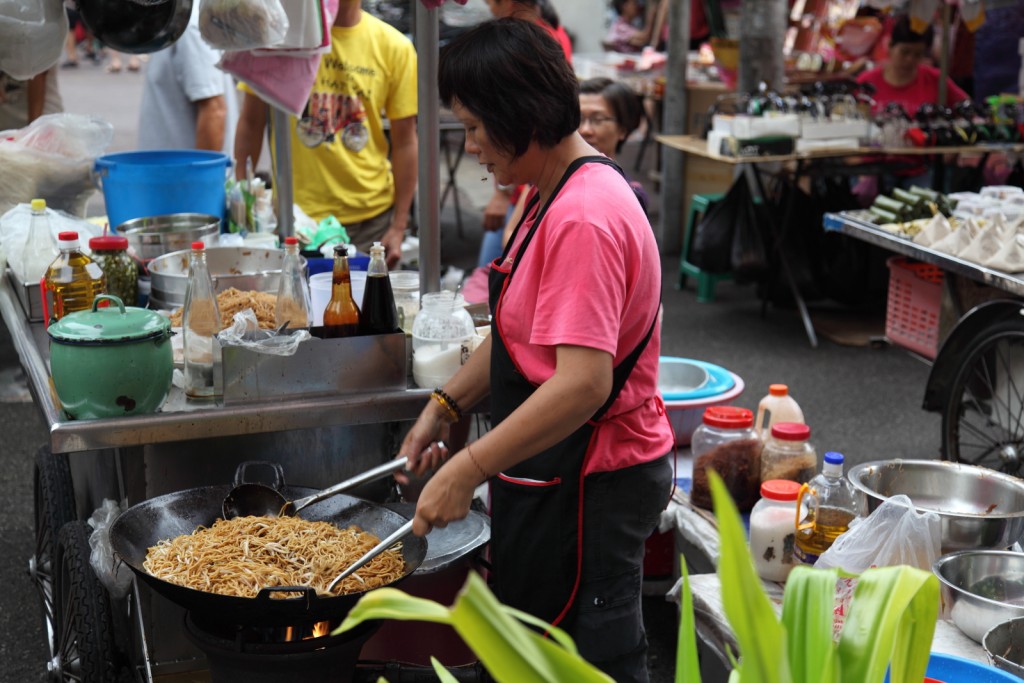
x,y
450,406
444,401
475,462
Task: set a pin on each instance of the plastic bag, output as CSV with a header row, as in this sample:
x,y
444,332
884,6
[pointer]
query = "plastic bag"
x,y
309,29
115,576
52,158
895,533
14,229
245,332
242,24
32,35
282,81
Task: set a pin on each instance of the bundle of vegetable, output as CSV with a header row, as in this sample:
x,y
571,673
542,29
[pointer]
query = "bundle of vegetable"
x,y
907,205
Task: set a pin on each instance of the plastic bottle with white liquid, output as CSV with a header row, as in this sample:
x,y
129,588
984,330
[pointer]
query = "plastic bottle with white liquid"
x,y
777,406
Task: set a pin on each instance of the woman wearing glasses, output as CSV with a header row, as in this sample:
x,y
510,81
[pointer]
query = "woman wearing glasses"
x,y
609,113
577,456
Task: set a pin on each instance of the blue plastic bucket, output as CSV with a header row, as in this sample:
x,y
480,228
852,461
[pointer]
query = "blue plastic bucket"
x,y
157,183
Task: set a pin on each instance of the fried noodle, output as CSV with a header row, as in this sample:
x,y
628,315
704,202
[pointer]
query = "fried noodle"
x,y
232,300
241,556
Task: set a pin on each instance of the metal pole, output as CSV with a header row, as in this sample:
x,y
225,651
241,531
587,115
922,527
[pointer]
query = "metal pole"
x,y
428,189
674,123
283,190
947,10
762,30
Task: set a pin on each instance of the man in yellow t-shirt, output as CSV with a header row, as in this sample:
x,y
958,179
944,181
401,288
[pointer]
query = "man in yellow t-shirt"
x,y
340,153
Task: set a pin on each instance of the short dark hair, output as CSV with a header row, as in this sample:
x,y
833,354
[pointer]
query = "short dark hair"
x,y
624,103
514,76
902,33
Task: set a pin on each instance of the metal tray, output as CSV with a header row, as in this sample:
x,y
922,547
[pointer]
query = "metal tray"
x,y
27,294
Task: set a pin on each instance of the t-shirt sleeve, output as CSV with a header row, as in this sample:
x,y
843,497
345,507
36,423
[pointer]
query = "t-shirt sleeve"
x,y
195,67
402,97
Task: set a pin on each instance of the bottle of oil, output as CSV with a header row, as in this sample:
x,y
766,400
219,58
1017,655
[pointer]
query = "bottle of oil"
x,y
378,314
293,305
833,503
73,278
341,317
200,324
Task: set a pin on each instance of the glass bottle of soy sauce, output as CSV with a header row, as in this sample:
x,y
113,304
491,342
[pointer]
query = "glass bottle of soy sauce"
x,y
379,314
341,317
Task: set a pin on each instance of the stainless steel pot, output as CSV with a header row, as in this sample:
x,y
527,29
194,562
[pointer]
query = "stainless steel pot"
x,y
136,26
245,268
155,236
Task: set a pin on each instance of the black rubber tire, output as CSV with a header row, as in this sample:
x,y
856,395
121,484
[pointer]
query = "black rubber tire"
x,y
985,397
54,507
86,649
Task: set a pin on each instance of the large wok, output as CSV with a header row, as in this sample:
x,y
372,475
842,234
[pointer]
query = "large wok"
x,y
174,514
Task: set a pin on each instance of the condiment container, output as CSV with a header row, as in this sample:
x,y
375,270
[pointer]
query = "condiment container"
x,y
788,454
777,406
832,503
110,252
38,250
441,338
406,286
727,442
111,362
200,323
773,529
74,278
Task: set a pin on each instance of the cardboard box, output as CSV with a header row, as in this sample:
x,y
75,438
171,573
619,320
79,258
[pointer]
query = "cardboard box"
x,y
805,145
320,367
769,125
757,147
845,128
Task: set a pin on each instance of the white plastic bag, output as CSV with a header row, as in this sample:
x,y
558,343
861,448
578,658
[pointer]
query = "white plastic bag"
x,y
895,533
115,576
14,229
32,34
52,158
245,332
242,24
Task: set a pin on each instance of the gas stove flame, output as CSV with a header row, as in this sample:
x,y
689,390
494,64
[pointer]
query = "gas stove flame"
x,y
321,628
317,630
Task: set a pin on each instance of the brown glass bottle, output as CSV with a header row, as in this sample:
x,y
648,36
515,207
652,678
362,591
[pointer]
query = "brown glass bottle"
x,y
378,315
341,317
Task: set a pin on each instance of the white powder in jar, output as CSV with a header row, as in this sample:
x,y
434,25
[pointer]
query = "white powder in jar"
x,y
772,534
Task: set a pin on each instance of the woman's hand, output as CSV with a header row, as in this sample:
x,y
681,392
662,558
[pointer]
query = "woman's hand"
x,y
447,495
421,444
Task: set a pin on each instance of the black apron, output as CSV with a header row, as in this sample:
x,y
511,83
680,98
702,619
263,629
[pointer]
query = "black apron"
x,y
537,511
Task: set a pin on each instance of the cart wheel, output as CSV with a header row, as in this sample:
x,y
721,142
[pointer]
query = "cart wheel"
x,y
54,507
983,422
85,642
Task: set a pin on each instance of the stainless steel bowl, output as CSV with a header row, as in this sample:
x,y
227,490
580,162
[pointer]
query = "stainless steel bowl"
x,y
245,268
978,507
981,588
158,235
1004,645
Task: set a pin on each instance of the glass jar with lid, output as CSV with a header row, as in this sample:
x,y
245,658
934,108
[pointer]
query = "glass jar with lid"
x,y
441,338
726,442
110,252
788,454
773,529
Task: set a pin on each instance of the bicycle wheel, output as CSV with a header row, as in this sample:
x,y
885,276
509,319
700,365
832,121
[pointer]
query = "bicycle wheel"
x,y
54,502
85,643
983,421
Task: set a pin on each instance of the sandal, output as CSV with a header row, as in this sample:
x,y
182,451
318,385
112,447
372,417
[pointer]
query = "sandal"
x,y
133,64
114,68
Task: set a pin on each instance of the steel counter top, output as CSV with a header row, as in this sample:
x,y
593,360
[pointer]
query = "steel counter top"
x,y
179,420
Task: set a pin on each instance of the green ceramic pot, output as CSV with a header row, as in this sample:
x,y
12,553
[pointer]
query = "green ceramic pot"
x,y
111,362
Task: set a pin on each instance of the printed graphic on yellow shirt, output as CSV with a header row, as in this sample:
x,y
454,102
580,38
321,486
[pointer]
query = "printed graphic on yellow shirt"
x,y
326,114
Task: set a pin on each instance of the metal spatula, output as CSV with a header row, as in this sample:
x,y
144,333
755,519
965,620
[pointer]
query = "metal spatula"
x,y
396,536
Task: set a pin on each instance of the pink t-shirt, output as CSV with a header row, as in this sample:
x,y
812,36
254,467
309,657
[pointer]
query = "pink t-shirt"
x,y
591,277
923,89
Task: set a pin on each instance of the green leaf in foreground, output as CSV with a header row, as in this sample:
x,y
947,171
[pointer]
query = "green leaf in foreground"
x,y
687,661
760,636
807,617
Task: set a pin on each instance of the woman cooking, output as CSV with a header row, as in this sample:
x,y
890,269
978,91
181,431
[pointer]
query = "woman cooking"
x,y
577,457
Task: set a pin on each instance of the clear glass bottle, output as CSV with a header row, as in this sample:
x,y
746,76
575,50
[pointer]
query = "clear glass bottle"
x,y
111,253
293,306
788,454
777,406
726,442
441,336
39,251
773,529
341,317
73,278
199,327
378,314
405,284
832,503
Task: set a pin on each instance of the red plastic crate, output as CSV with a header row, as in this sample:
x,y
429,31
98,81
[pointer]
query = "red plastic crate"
x,y
912,312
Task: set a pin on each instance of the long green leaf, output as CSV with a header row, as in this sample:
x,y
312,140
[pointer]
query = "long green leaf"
x,y
443,674
761,638
391,603
807,615
892,617
687,661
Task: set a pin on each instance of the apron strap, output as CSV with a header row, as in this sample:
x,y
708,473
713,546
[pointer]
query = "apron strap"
x,y
622,371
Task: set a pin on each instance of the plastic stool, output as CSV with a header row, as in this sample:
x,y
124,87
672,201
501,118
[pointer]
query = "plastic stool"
x,y
699,204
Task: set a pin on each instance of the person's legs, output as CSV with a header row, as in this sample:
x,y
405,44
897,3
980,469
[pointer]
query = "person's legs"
x,y
364,233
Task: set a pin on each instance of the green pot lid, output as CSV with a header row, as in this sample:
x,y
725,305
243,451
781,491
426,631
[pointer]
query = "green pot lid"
x,y
112,324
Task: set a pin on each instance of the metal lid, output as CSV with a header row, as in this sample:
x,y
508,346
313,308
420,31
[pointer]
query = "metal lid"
x,y
447,546
113,324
